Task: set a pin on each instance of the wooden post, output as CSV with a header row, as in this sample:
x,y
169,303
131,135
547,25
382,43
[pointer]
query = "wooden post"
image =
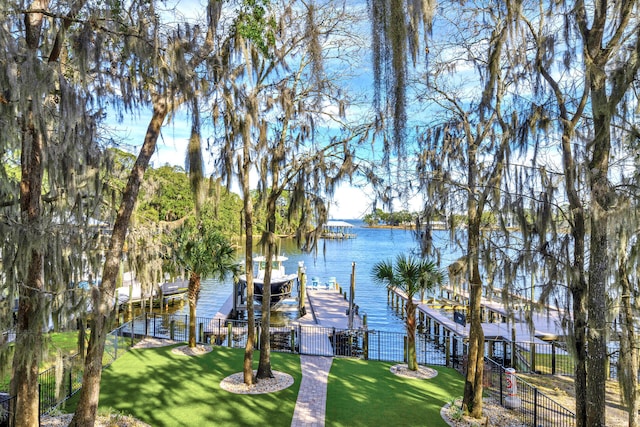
x,y
302,279
229,337
513,347
133,332
352,292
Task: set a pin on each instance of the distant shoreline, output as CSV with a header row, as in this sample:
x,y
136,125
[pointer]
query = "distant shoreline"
x,y
402,227
399,227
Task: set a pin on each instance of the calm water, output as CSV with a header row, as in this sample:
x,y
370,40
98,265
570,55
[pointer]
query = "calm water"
x,y
334,259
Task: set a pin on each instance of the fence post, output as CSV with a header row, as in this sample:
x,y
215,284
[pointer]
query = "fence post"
x,y
533,358
535,406
365,345
501,390
172,329
229,337
201,332
293,339
258,332
70,381
146,325
404,349
455,351
447,351
553,358
133,319
333,338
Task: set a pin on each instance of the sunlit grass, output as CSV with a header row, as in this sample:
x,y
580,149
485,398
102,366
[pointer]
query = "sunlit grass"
x,y
366,393
164,389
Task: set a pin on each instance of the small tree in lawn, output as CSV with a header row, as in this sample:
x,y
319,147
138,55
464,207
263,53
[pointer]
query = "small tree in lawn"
x,y
412,276
203,251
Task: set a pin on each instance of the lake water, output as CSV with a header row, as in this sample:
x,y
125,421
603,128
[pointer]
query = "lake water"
x,y
334,259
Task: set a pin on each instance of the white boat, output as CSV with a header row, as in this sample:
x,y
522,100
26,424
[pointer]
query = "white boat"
x,y
281,283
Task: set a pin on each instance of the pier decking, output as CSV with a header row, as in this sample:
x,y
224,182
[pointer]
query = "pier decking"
x,y
502,324
326,310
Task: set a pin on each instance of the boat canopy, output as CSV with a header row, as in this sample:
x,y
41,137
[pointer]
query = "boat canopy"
x,y
337,230
338,224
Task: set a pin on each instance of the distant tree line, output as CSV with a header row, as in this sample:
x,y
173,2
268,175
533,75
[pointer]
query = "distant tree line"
x,y
389,218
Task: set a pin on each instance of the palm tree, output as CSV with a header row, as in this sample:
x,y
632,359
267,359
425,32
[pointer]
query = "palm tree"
x,y
412,276
203,251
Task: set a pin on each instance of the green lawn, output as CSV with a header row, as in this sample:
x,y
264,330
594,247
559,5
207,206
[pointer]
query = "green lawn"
x,y
164,389
366,393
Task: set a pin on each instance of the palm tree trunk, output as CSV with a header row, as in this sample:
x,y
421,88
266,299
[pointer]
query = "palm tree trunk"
x,y
412,358
193,293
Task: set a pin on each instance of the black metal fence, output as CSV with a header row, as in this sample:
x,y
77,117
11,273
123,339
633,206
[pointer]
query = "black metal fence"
x,y
7,410
533,406
59,383
311,340
551,358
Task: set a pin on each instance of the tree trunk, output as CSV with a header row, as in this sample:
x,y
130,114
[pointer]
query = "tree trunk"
x,y
193,292
29,325
264,365
412,358
598,247
628,361
472,399
247,367
102,296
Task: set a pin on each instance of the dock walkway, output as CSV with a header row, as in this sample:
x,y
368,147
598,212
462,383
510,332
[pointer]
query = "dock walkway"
x,y
546,326
325,309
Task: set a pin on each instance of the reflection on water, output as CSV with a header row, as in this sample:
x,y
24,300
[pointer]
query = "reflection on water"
x,y
334,259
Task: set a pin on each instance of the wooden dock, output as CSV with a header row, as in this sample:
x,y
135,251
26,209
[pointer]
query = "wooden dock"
x,y
326,310
499,324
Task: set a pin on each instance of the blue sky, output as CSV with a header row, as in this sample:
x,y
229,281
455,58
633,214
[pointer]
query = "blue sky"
x,y
349,201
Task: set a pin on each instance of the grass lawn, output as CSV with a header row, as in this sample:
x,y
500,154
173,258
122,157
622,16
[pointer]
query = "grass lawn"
x,y
366,393
164,389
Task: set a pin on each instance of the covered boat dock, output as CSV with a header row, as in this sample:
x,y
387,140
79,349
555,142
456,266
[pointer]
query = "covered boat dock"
x,y
338,230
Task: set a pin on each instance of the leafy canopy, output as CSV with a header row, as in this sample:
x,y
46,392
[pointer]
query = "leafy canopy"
x,y
409,274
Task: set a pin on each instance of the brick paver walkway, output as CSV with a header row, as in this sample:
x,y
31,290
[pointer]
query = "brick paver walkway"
x,y
326,308
312,397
